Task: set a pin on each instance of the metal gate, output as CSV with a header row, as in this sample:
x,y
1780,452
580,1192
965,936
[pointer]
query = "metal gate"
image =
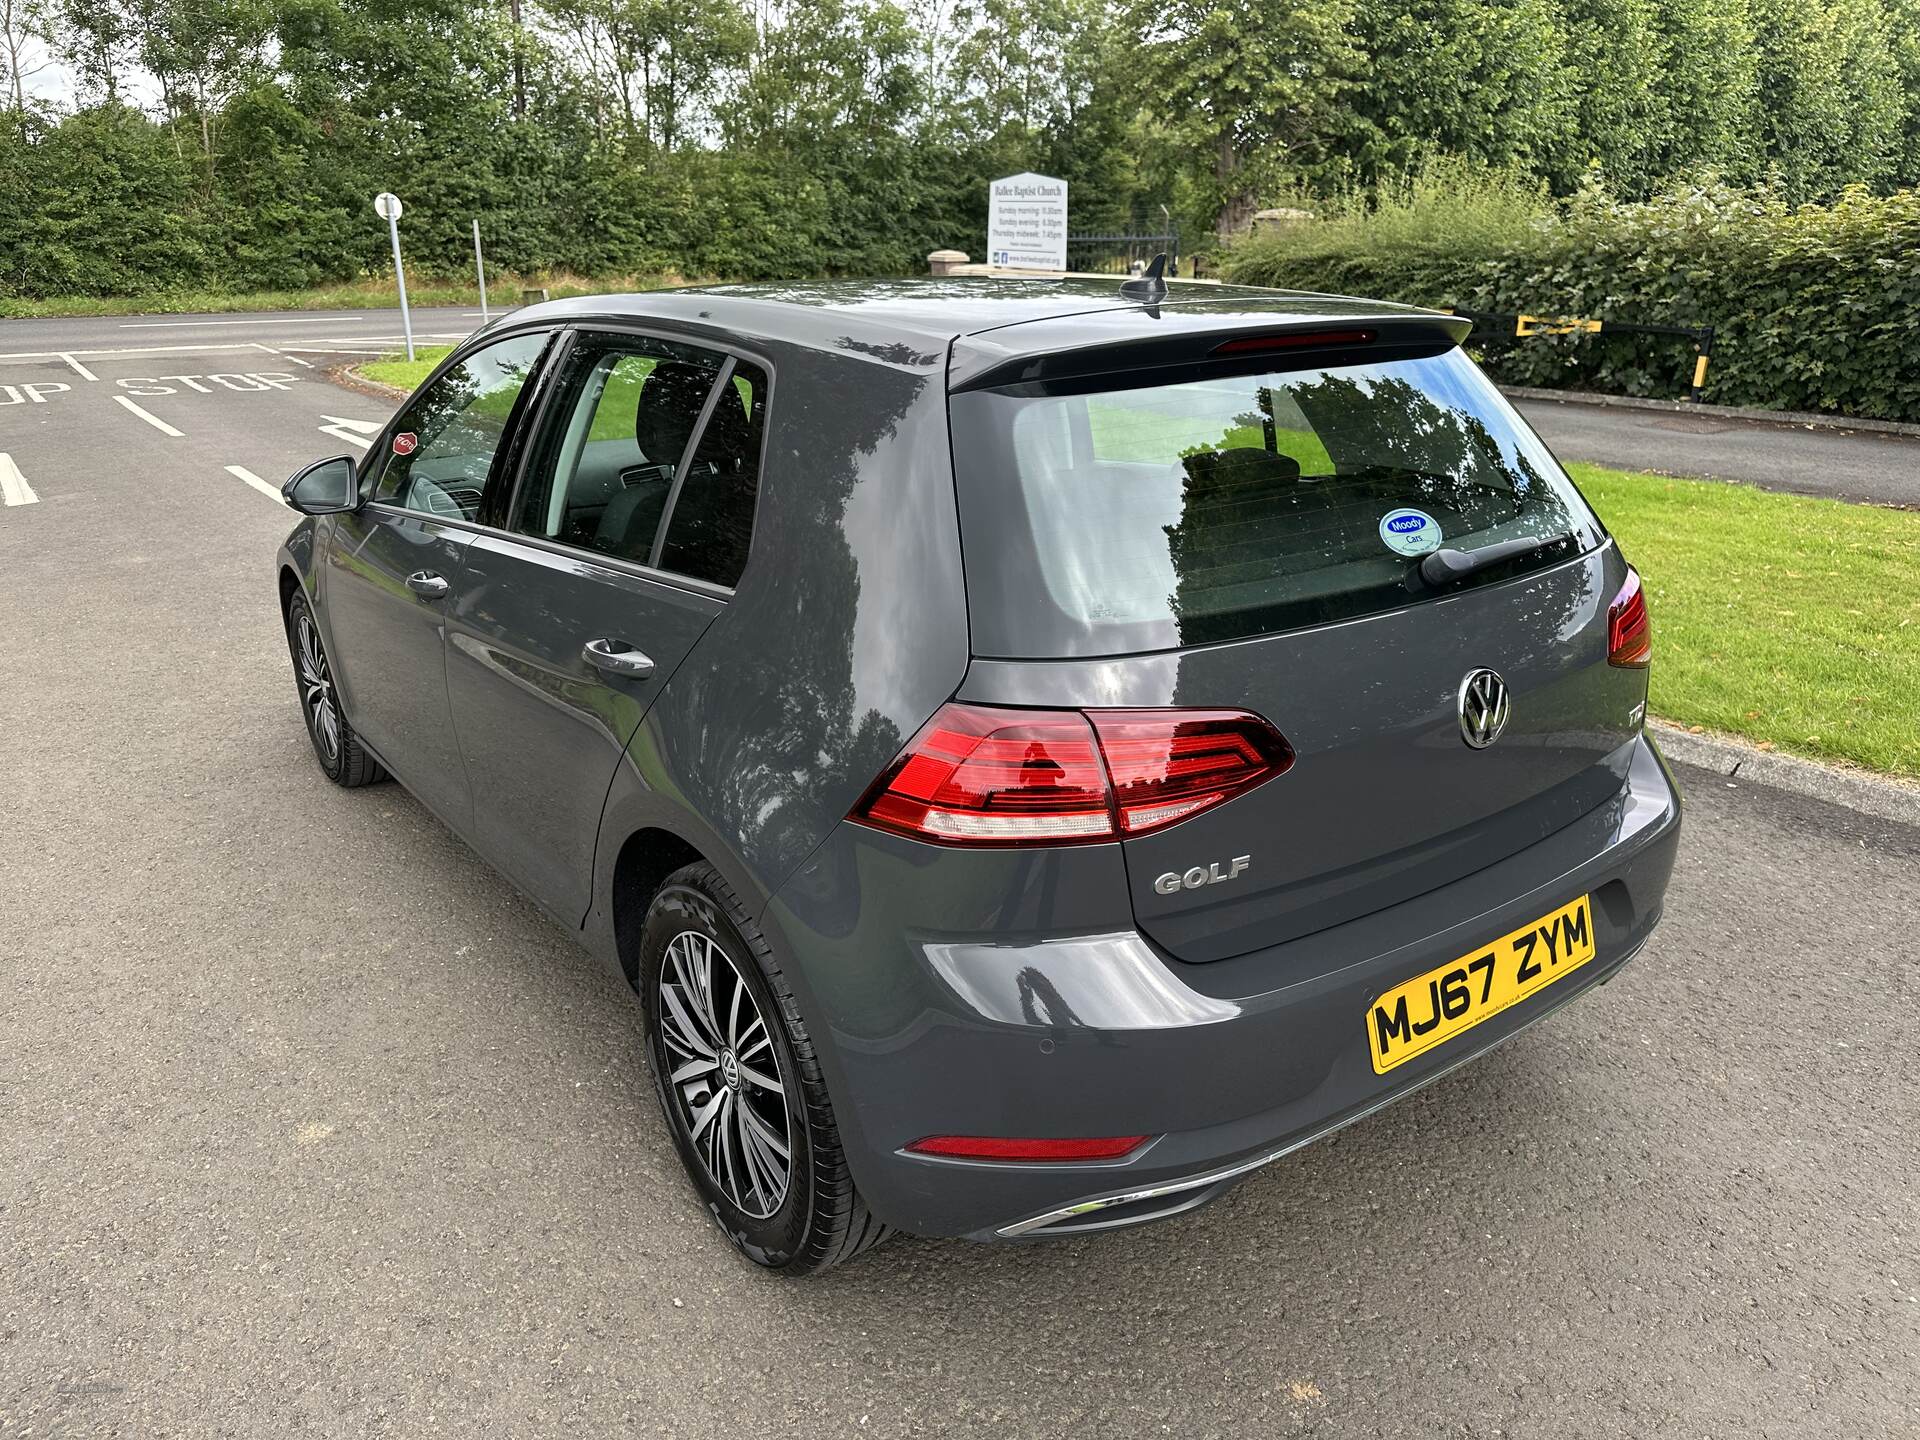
x,y
1119,254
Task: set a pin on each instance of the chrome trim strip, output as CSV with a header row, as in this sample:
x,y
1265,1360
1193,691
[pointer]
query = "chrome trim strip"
x,y
1247,1167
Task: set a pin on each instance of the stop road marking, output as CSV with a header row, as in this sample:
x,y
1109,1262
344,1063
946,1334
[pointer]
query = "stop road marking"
x,y
10,395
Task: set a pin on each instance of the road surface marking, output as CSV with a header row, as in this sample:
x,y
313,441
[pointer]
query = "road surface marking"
x,y
13,485
211,324
202,347
354,432
258,382
35,394
271,351
126,350
162,426
82,371
241,472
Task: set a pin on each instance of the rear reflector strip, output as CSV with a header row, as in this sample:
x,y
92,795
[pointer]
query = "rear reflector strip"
x,y
1080,825
993,1147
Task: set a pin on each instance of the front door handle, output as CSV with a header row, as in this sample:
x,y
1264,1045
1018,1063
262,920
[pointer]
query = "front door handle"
x,y
616,657
425,582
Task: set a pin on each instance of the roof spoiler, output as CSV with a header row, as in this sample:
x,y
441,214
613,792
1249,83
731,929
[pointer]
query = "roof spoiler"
x,y
1187,340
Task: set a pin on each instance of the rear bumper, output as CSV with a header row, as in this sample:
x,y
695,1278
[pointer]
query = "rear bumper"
x,y
1048,1022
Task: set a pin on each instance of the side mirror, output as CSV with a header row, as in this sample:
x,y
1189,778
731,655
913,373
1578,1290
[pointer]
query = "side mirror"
x,y
325,487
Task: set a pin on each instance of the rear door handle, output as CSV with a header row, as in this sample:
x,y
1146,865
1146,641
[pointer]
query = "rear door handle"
x,y
616,657
425,582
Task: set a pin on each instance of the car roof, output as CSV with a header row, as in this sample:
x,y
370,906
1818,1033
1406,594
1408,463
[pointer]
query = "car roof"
x,y
913,322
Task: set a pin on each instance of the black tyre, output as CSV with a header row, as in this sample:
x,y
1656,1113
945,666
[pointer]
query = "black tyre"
x,y
741,1087
342,757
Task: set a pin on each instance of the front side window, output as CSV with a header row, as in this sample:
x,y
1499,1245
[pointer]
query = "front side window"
x,y
442,449
608,473
1107,521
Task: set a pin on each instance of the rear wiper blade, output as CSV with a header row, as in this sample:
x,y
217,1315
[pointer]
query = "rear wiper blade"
x,y
1444,567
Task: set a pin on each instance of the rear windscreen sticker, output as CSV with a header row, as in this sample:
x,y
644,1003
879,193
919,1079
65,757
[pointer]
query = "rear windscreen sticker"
x,y
1409,532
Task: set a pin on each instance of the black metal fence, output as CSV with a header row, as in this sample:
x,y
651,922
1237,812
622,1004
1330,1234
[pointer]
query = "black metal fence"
x,y
1118,254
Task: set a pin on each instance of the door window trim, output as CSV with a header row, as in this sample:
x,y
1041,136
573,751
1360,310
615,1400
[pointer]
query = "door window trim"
x,y
692,584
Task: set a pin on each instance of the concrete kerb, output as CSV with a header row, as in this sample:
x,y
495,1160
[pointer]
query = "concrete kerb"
x,y
1878,795
1791,419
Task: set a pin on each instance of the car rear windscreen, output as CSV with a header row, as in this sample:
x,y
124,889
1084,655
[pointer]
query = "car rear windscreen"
x,y
1118,520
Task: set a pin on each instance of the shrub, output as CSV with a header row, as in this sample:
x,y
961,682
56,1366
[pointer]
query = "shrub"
x,y
1814,308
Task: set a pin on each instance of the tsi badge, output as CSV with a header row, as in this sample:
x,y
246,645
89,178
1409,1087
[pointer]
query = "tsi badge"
x,y
1173,881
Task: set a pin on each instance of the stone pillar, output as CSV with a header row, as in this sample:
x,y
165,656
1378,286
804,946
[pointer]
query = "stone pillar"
x,y
946,262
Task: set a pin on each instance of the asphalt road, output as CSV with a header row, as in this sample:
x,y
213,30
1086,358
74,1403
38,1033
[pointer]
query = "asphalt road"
x,y
1855,465
310,1127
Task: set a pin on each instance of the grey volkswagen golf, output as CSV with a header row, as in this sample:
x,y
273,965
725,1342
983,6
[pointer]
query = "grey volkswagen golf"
x,y
1039,749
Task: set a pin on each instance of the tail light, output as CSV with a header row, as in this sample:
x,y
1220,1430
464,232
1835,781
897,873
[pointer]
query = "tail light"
x,y
1629,633
1166,765
981,775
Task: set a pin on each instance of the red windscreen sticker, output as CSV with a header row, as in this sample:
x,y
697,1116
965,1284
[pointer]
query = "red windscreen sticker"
x,y
405,443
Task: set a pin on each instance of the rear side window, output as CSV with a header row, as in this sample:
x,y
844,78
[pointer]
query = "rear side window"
x,y
625,408
1105,522
607,475
711,526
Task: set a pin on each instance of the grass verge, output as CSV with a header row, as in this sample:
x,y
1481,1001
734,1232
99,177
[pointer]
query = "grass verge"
x,y
1792,621
400,372
373,294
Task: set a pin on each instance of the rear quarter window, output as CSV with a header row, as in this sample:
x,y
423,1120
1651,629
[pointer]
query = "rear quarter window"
x,y
1130,518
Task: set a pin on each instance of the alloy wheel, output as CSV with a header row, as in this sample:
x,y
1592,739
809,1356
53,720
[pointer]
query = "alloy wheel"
x,y
724,1076
316,688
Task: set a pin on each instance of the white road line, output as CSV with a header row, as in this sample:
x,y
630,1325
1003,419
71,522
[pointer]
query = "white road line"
x,y
128,350
13,485
354,432
241,472
283,355
162,426
212,324
203,347
82,371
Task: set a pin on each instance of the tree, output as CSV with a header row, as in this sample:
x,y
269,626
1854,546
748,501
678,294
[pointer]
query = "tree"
x,y
653,61
1486,82
24,27
1250,89
1830,107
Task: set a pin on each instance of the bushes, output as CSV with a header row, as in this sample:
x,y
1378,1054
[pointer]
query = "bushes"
x,y
1814,308
111,208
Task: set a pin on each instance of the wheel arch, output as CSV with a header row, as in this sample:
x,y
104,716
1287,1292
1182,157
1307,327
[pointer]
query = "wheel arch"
x,y
645,859
289,582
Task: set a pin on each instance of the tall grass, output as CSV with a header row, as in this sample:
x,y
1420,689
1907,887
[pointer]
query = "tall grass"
x,y
1447,205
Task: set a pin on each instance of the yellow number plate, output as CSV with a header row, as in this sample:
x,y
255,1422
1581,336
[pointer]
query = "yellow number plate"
x,y
1430,1009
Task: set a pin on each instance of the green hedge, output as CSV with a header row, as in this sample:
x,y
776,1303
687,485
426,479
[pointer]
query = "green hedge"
x,y
1815,308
